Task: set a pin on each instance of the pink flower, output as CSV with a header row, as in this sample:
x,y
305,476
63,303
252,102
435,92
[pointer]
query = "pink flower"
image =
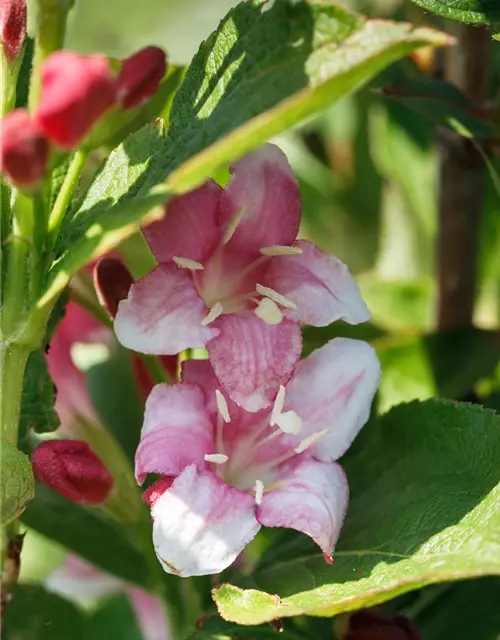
x,y
140,76
12,27
233,277
24,149
76,91
227,471
81,582
71,468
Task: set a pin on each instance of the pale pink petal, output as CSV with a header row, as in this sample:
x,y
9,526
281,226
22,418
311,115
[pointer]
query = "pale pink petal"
x,y
201,524
177,431
150,614
190,228
162,313
251,358
81,582
264,190
333,388
320,286
312,498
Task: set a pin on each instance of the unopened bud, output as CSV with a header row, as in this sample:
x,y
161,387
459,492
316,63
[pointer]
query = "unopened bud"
x,y
112,281
71,468
24,149
369,625
76,91
13,27
140,76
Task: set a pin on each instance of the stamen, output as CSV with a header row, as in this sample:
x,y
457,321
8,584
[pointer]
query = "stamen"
x,y
187,263
278,406
259,491
274,295
280,250
222,406
213,314
290,423
310,440
216,458
233,224
269,311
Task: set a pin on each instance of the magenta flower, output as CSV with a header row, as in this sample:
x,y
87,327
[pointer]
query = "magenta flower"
x,y
233,277
228,471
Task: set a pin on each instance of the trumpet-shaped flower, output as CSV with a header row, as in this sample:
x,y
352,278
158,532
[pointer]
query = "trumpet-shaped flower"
x,y
232,276
227,471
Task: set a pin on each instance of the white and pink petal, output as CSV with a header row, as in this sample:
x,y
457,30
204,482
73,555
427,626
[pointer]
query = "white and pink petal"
x,y
311,497
162,313
251,358
201,524
177,431
332,390
319,285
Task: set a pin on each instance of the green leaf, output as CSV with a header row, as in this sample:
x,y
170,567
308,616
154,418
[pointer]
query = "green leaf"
x,y
465,611
88,532
470,11
17,483
217,629
37,405
266,68
441,103
446,364
36,614
425,492
113,620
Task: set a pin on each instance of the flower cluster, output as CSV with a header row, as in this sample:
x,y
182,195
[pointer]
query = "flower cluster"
x,y
251,436
76,92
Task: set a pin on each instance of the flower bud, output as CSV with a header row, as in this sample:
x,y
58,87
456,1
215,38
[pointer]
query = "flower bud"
x,y
71,468
112,281
140,76
76,91
13,27
369,625
23,148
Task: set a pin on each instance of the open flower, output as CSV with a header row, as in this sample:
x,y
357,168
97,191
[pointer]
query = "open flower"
x,y
233,277
228,471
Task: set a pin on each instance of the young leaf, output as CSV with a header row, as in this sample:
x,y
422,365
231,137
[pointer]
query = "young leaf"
x,y
470,11
17,483
425,489
266,68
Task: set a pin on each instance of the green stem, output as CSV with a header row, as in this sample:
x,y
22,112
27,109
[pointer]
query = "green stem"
x,y
12,366
64,196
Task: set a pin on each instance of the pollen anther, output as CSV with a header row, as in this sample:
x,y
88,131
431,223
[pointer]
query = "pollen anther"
x,y
269,311
213,314
290,423
216,458
310,440
222,406
233,224
278,406
275,296
280,250
187,263
259,491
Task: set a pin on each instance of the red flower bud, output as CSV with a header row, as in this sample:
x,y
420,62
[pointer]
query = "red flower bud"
x,y
112,280
13,27
71,468
369,625
140,76
24,150
76,91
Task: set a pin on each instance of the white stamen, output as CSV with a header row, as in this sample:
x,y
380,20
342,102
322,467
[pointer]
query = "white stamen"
x,y
216,458
278,406
274,295
213,314
187,263
307,442
269,311
290,423
233,223
280,250
259,491
222,406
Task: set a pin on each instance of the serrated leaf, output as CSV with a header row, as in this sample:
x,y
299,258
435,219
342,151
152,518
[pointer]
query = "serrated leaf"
x,y
35,614
469,11
17,482
425,496
38,399
90,533
440,103
266,68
